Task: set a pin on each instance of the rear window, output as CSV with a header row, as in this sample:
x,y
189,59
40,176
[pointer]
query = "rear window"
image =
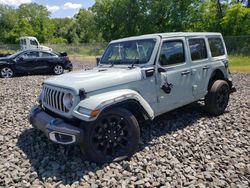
x,y
46,54
216,47
198,49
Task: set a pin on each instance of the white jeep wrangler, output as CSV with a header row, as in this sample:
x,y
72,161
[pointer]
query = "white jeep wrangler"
x,y
137,77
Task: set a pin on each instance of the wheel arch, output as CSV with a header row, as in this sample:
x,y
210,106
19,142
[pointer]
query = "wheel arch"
x,y
133,106
217,74
126,98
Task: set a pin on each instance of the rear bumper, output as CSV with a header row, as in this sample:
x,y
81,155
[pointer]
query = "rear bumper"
x,y
55,129
69,66
232,88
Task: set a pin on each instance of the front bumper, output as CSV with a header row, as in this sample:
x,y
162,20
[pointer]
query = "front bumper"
x,y
54,128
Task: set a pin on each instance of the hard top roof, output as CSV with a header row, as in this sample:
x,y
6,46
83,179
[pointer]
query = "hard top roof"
x,y
168,35
28,37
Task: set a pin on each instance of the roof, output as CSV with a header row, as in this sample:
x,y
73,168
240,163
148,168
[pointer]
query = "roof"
x,y
172,34
37,50
28,37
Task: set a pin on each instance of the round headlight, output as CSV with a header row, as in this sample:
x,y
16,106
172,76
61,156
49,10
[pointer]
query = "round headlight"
x,y
68,100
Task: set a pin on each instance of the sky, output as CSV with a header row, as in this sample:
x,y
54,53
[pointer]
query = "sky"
x,y
58,8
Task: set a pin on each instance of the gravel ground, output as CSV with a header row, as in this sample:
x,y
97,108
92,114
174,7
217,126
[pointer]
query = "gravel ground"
x,y
182,148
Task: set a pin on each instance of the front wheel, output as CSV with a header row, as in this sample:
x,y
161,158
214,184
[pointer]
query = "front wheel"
x,y
6,72
58,69
217,98
113,137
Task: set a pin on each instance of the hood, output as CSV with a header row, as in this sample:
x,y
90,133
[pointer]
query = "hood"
x,y
98,78
3,59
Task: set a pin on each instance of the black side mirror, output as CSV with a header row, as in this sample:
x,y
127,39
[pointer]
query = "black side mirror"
x,y
98,59
161,70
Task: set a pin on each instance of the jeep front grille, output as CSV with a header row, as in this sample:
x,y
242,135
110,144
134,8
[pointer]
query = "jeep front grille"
x,y
53,99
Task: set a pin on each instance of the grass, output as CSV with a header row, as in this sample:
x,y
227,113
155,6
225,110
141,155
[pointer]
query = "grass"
x,y
82,58
239,64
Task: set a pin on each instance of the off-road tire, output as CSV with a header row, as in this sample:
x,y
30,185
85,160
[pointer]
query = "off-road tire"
x,y
6,72
217,98
112,127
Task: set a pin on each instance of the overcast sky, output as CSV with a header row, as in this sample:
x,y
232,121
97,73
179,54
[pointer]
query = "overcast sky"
x,y
58,8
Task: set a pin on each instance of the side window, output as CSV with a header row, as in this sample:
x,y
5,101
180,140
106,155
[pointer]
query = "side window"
x,y
216,47
45,54
198,49
33,42
23,41
30,55
172,52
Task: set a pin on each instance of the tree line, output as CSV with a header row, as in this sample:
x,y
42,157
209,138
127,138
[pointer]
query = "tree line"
x,y
112,19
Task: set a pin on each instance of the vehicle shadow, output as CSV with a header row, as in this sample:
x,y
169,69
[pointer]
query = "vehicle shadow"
x,y
68,165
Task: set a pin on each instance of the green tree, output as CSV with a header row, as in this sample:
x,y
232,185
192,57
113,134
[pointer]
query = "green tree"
x,y
38,18
8,19
22,28
63,26
121,18
236,20
86,27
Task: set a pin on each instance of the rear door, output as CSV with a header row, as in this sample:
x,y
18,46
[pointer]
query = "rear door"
x,y
47,60
174,75
201,65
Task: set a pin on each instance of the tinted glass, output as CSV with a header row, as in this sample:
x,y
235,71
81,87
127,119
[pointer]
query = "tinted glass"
x,y
33,42
30,55
129,52
172,52
216,47
23,41
198,49
46,54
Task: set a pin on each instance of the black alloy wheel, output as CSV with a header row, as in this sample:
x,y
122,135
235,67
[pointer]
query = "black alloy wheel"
x,y
217,98
114,137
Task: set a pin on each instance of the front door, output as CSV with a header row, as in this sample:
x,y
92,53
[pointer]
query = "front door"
x,y
27,62
174,75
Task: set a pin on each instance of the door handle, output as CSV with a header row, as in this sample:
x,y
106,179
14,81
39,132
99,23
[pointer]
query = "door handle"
x,y
185,72
206,67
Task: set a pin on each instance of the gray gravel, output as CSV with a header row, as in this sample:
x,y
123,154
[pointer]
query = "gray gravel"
x,y
183,148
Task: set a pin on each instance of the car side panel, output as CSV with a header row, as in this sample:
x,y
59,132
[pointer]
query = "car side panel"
x,y
47,63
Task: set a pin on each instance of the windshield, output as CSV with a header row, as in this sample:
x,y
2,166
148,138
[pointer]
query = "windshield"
x,y
129,52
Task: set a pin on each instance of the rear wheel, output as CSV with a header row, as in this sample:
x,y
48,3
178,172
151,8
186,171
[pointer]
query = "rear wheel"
x,y
6,72
58,69
114,137
217,98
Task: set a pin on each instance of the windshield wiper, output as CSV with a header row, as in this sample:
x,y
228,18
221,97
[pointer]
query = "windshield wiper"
x,y
136,61
113,62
